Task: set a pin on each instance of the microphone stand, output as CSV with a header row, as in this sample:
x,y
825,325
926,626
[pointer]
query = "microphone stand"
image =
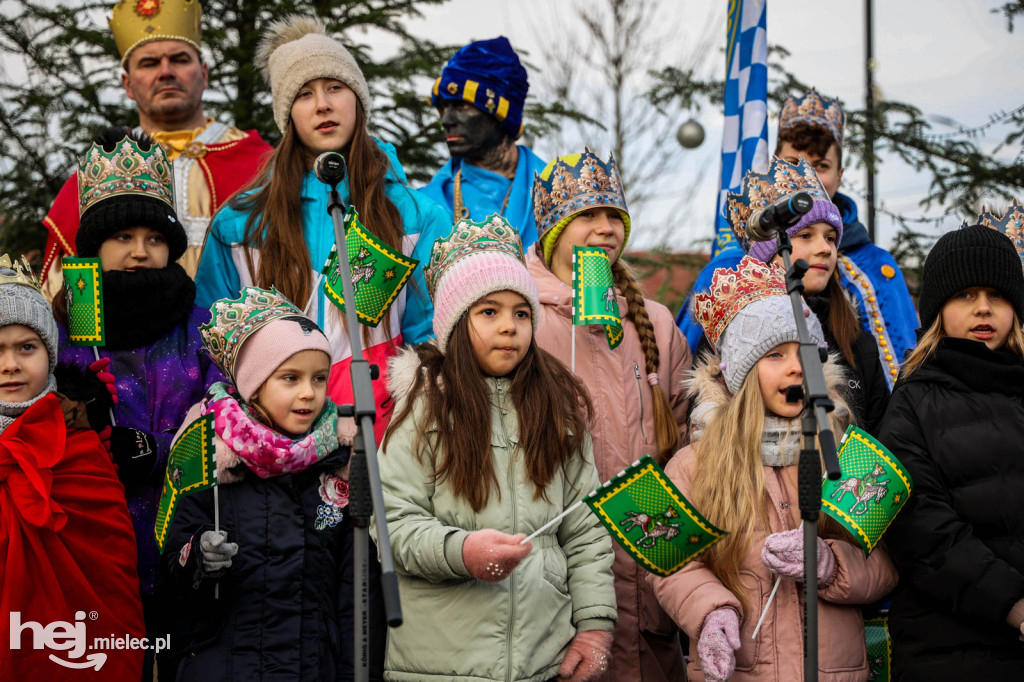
x,y
365,495
814,422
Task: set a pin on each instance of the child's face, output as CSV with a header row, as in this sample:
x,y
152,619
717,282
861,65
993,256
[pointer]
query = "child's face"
x,y
979,314
776,371
500,329
24,364
324,115
816,244
134,248
601,227
295,393
829,171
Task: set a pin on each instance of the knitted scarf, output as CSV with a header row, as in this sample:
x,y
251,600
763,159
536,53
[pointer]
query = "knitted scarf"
x,y
266,451
11,411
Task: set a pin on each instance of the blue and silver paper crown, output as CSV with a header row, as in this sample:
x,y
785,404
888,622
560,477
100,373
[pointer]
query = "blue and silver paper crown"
x,y
816,110
1011,224
761,190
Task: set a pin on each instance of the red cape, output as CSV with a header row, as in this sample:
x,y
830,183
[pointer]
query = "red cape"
x,y
66,546
227,168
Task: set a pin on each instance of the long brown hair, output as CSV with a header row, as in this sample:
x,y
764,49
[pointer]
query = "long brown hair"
x,y
273,200
551,403
842,319
666,428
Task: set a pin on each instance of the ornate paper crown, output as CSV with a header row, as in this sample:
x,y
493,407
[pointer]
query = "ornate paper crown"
x,y
126,170
17,272
1011,224
733,290
814,109
467,238
576,183
134,22
760,190
233,320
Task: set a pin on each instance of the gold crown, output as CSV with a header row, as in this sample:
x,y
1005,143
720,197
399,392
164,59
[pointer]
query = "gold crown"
x,y
18,272
126,170
134,22
493,234
732,290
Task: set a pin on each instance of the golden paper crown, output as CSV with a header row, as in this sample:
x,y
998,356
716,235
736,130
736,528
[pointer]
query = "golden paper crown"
x,y
17,272
126,170
733,290
816,110
134,22
1011,224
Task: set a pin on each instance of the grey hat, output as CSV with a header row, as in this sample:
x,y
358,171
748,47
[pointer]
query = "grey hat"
x,y
756,329
21,303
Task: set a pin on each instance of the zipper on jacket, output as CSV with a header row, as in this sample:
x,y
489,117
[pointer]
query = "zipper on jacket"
x,y
640,394
513,452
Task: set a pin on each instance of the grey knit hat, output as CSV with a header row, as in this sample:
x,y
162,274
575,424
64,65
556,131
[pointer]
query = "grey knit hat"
x,y
296,50
21,303
755,330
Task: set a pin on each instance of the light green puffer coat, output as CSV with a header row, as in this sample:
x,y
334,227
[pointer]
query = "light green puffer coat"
x,y
457,627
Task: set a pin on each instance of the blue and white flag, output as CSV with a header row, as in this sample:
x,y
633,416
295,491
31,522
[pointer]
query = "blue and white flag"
x,y
745,135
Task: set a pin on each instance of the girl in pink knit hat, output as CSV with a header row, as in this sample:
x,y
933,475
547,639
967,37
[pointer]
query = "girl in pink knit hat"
x,y
489,444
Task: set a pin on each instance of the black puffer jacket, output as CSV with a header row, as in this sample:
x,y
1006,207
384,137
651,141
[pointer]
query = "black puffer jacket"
x,y
285,610
957,424
868,393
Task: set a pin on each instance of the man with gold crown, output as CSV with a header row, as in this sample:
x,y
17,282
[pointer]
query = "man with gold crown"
x,y
164,74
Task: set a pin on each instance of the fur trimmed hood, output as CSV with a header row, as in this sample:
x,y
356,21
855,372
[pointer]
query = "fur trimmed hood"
x,y
705,386
402,368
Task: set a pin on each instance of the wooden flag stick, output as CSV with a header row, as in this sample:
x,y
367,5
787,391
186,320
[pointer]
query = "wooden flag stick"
x,y
216,525
552,522
96,354
316,288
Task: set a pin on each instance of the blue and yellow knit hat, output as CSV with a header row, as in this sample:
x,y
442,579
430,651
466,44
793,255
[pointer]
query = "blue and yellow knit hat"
x,y
488,75
570,185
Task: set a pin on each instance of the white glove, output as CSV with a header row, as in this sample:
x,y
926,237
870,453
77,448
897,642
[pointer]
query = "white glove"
x,y
217,552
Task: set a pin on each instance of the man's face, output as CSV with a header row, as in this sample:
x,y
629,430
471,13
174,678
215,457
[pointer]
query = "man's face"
x,y
469,132
166,79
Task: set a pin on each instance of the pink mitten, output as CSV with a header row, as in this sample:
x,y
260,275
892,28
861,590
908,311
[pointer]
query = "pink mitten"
x,y
490,555
99,368
783,553
719,641
587,656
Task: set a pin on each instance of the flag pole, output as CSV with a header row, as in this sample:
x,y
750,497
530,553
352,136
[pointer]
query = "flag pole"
x,y
312,295
110,411
769,602
552,522
216,524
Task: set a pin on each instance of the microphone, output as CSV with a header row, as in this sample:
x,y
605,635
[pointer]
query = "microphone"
x,y
330,168
785,213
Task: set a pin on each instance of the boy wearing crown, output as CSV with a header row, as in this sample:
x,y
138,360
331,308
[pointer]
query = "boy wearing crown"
x,y
164,74
480,97
67,548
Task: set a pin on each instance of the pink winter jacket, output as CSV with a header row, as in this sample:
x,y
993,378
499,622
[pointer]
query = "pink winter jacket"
x,y
645,647
777,653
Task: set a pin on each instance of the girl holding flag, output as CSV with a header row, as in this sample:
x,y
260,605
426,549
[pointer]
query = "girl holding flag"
x,y
150,366
740,472
322,104
636,385
262,563
956,421
489,443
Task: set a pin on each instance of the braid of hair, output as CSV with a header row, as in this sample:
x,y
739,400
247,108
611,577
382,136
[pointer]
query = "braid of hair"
x,y
666,428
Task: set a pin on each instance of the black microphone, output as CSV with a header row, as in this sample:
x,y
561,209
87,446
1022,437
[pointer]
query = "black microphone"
x,y
330,168
785,213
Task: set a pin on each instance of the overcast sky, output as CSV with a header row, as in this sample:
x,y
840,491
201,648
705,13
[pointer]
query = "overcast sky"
x,y
952,59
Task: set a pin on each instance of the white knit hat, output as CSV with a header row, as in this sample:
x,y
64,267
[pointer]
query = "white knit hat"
x,y
296,50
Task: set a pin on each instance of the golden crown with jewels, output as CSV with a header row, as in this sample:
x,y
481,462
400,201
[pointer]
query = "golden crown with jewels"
x,y
134,22
17,272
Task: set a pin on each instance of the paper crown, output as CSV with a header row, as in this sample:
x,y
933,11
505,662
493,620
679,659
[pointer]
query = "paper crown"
x,y
760,190
134,22
574,183
17,272
1011,224
468,238
732,290
126,170
233,320
816,110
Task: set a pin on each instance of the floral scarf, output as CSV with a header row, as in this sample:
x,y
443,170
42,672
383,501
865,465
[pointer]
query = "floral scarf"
x,y
264,450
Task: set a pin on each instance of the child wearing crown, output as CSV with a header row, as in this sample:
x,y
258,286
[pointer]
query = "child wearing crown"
x,y
66,543
152,362
636,387
282,557
815,239
956,421
740,471
489,443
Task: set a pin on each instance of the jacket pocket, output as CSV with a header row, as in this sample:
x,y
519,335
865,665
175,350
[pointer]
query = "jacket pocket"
x,y
841,647
750,649
556,568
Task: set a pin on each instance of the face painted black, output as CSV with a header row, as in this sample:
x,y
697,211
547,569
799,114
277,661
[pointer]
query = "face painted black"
x,y
470,132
